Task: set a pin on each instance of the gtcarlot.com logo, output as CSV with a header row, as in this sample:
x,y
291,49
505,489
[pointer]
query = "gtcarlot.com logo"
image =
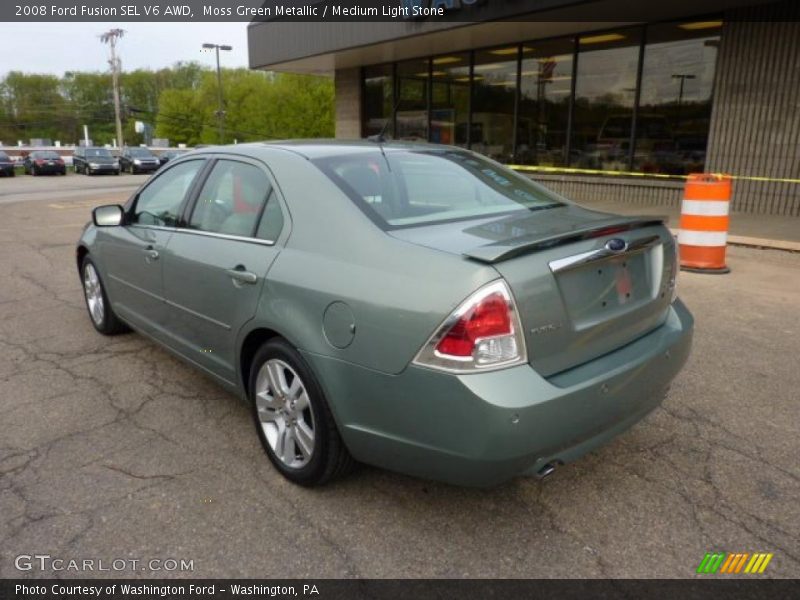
x,y
46,562
734,563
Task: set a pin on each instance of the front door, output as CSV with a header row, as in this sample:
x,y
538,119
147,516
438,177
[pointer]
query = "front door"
x,y
215,267
132,254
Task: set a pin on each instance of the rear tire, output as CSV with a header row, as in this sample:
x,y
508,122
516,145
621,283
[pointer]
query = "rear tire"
x,y
94,293
295,423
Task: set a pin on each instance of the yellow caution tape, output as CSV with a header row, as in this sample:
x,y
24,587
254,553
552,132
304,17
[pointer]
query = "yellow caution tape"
x,y
576,171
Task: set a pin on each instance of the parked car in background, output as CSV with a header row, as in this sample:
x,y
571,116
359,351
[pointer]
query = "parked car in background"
x,y
169,155
138,160
6,165
412,306
90,161
44,162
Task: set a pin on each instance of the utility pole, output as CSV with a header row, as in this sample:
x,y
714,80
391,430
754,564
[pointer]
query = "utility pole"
x,y
220,101
110,37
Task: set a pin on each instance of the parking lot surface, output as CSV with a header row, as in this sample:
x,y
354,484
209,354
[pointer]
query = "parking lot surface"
x,y
113,449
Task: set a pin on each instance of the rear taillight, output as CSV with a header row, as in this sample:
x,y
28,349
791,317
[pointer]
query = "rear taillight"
x,y
484,332
39,161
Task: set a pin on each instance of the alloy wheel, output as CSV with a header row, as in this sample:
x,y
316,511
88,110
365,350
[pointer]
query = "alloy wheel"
x,y
284,412
94,294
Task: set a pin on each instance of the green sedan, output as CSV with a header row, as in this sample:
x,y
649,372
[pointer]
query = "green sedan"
x,y
412,306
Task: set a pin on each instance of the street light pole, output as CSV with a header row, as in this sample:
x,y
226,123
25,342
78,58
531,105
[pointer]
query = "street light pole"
x,y
220,101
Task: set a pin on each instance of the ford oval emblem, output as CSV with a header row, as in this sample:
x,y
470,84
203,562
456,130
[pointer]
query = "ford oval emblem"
x,y
616,245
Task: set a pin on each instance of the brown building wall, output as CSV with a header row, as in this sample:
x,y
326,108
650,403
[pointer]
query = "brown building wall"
x,y
755,124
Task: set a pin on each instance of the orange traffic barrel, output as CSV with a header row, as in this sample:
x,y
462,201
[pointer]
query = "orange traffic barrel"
x,y
703,230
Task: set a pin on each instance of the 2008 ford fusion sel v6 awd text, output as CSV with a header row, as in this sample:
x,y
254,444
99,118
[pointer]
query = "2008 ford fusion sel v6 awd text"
x,y
411,306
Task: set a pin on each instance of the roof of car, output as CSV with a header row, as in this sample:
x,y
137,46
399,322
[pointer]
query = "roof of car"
x,y
320,148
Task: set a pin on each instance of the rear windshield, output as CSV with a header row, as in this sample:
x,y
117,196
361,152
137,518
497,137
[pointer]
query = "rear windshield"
x,y
98,152
140,152
3,155
47,154
405,188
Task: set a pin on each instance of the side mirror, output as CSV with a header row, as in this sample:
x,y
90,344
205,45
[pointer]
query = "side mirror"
x,y
109,215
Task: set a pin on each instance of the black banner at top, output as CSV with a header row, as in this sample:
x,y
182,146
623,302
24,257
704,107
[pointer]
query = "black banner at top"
x,y
398,11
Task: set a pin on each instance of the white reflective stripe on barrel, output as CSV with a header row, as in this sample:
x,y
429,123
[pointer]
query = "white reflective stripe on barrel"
x,y
706,208
702,238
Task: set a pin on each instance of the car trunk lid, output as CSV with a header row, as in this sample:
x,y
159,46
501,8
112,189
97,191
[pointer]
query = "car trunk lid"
x,y
585,282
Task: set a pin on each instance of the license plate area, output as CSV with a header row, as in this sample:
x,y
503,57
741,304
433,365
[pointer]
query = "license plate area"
x,y
605,289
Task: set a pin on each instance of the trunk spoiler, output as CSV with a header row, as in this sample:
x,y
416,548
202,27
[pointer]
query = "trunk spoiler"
x,y
506,249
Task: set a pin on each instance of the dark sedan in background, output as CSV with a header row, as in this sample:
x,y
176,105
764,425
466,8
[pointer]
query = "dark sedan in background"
x,y
138,160
44,162
95,160
6,165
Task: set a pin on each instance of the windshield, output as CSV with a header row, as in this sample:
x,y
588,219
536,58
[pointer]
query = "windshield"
x,y
3,155
98,153
140,152
404,188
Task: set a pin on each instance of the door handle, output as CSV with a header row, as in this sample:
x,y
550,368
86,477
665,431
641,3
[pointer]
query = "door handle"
x,y
150,254
238,274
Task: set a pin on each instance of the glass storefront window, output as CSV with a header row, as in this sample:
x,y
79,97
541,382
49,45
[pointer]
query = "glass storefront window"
x,y
412,104
675,103
545,96
605,94
378,100
494,88
562,102
450,99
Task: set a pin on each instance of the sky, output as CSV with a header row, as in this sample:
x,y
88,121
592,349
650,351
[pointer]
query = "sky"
x,y
58,47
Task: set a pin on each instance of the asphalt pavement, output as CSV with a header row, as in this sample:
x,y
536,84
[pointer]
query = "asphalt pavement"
x,y
111,449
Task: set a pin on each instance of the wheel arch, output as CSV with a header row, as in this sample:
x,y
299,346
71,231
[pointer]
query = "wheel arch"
x,y
253,340
80,253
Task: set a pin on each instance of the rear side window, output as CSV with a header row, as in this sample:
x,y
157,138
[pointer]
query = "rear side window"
x,y
237,199
405,188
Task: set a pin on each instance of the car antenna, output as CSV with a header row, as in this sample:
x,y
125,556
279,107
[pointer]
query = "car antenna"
x,y
380,138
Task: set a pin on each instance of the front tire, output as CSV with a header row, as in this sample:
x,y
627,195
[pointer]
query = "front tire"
x,y
293,419
94,292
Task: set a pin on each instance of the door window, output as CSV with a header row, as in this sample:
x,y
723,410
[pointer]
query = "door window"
x,y
160,202
233,200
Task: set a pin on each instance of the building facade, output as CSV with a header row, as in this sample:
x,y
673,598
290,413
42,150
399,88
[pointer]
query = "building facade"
x,y
598,109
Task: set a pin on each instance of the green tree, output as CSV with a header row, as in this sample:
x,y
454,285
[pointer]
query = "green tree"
x,y
90,98
180,101
179,117
36,107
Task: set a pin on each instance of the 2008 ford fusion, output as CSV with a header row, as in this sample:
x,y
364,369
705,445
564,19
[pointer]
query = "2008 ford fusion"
x,y
411,306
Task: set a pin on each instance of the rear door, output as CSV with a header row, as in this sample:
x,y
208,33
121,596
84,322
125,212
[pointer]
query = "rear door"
x,y
132,254
216,263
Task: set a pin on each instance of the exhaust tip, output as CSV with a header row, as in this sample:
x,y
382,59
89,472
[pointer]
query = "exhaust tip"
x,y
546,470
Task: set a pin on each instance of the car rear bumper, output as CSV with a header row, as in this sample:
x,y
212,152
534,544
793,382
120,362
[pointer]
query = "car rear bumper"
x,y
482,429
